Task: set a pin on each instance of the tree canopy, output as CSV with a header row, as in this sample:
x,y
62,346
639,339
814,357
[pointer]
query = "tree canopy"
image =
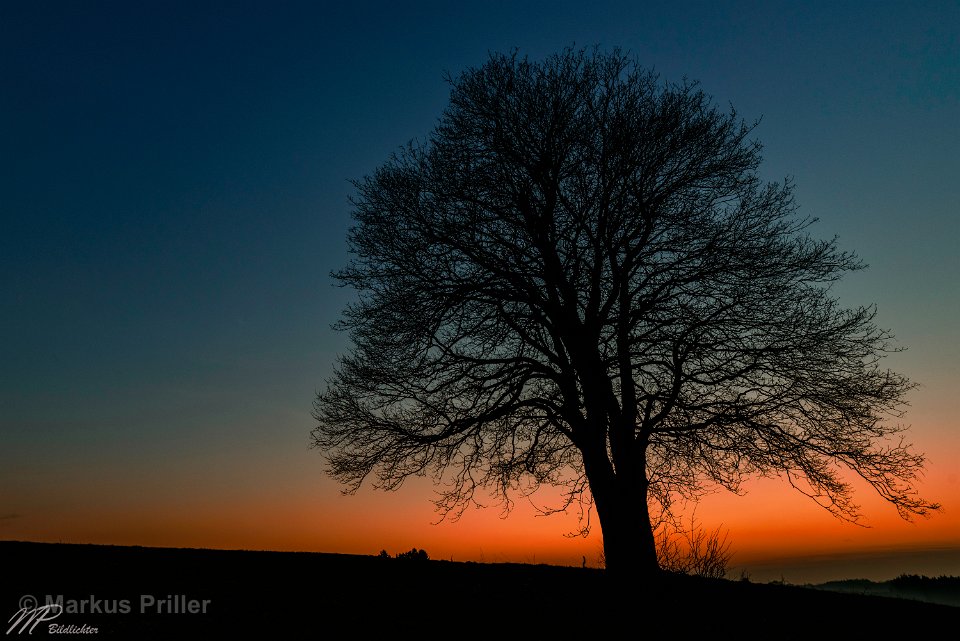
x,y
580,279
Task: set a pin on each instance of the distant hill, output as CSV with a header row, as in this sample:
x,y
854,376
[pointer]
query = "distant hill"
x,y
161,593
943,589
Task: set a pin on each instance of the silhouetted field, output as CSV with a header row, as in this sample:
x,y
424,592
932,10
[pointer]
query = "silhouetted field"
x,y
147,593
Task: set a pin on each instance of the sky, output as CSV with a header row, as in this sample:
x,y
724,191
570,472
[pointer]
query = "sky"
x,y
174,184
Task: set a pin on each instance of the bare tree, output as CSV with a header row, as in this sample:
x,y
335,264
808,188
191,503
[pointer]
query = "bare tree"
x,y
580,280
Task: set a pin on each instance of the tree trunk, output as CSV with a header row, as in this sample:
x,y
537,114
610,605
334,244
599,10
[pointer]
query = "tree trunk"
x,y
628,544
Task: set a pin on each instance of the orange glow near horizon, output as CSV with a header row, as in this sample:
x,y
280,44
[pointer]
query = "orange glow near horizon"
x,y
306,512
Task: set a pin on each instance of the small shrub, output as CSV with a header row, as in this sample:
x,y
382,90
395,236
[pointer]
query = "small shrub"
x,y
694,550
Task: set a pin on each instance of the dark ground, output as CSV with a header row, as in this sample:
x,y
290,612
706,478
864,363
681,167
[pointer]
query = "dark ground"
x,y
289,595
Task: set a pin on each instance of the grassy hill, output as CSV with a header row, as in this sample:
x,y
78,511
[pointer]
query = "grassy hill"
x,y
148,593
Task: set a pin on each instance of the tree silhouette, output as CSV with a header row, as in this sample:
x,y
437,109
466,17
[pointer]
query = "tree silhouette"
x,y
580,280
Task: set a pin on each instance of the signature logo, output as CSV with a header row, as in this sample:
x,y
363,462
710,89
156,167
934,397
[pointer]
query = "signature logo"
x,y
30,615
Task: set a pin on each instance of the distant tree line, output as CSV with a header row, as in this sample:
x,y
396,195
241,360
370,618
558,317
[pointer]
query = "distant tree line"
x,y
411,555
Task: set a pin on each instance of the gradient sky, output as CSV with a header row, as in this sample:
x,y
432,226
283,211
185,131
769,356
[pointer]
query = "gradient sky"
x,y
173,196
